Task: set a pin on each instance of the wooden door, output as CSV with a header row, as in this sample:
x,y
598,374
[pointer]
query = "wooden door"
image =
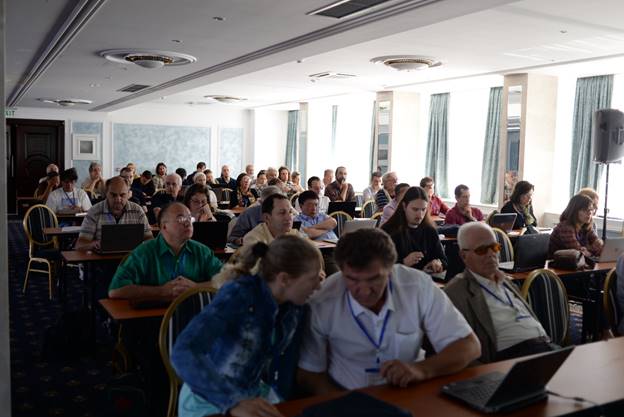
x,y
33,145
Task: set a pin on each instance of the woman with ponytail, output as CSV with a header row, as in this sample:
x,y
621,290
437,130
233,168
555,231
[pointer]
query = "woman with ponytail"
x,y
228,355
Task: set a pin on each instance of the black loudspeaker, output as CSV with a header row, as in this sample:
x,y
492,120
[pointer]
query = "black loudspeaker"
x,y
608,135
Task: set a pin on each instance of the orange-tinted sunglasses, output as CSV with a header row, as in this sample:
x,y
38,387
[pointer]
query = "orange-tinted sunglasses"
x,y
482,250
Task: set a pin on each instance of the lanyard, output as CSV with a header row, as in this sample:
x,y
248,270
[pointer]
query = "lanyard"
x,y
511,304
71,199
377,345
178,266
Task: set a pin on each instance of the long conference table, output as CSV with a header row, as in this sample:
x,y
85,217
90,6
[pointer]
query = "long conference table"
x,y
593,371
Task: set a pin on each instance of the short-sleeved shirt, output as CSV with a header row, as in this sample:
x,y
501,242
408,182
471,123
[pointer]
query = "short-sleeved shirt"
x,y
59,200
334,342
333,192
454,216
154,263
307,221
261,233
100,214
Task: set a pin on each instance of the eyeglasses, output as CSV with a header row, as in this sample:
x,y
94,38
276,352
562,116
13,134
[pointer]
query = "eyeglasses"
x,y
200,202
482,250
184,219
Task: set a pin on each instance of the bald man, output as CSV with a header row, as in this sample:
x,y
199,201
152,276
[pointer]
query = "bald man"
x,y
173,192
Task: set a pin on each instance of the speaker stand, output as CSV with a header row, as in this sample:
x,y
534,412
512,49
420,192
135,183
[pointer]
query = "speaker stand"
x,y
606,210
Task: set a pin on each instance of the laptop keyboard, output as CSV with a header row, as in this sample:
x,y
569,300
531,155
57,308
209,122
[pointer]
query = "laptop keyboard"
x,y
478,390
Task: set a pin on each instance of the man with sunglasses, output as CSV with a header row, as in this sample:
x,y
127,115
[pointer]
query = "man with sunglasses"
x,y
504,323
165,267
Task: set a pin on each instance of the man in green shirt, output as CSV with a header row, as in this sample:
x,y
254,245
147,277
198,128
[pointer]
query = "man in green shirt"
x,y
165,267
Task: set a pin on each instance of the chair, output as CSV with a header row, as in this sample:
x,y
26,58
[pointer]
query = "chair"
x,y
369,209
610,305
547,296
225,194
377,216
507,250
41,249
293,199
359,200
489,216
341,218
181,311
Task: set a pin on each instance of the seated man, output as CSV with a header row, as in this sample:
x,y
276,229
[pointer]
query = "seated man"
x,y
367,323
173,188
200,168
278,220
490,302
386,194
115,209
143,187
340,190
462,212
271,173
317,226
165,267
225,180
49,168
436,205
314,184
251,217
51,183
67,198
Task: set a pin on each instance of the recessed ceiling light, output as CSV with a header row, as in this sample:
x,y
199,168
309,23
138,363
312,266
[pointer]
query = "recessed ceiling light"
x,y
563,31
407,62
225,99
147,58
176,41
218,18
94,85
65,102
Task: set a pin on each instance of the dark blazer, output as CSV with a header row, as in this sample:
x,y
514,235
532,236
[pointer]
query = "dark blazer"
x,y
520,219
467,296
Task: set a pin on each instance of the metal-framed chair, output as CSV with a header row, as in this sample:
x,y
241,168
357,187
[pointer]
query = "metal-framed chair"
x,y
42,250
181,311
293,199
610,305
341,218
359,200
377,216
488,219
507,250
547,296
369,209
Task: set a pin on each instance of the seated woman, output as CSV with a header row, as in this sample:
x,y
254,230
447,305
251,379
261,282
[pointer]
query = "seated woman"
x,y
520,203
436,205
295,178
415,238
197,201
223,354
244,196
575,229
200,178
95,184
375,186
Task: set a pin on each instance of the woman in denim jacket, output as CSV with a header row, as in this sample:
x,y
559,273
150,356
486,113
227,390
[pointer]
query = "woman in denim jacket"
x,y
225,353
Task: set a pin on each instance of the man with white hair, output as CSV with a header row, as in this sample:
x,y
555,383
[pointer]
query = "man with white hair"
x,y
173,188
504,323
386,194
49,168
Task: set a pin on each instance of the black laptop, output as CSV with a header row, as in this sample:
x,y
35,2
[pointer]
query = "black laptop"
x,y
504,221
346,206
524,384
120,238
530,252
211,234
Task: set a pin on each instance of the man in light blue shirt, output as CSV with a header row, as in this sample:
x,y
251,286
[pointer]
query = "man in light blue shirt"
x,y
318,226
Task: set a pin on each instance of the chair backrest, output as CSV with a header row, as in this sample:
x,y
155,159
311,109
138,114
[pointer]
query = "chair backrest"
x,y
489,217
609,301
369,209
225,194
507,250
293,199
341,218
547,296
377,216
181,311
359,200
37,218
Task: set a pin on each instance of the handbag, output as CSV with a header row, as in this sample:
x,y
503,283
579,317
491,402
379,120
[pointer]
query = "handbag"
x,y
571,259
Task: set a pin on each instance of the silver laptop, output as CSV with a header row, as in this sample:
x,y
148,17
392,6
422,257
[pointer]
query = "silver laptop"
x,y
356,224
504,221
612,249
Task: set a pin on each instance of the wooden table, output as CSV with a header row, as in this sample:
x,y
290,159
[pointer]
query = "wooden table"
x,y
120,309
598,267
594,371
58,231
79,256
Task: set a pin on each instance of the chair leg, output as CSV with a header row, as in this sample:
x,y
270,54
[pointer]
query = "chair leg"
x,y
26,278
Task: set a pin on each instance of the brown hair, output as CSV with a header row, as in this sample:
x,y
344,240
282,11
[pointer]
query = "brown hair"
x,y
358,249
570,214
398,222
521,187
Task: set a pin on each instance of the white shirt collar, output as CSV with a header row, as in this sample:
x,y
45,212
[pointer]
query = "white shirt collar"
x,y
485,281
359,309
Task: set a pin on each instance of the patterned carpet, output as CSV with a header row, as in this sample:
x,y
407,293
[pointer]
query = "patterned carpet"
x,y
49,386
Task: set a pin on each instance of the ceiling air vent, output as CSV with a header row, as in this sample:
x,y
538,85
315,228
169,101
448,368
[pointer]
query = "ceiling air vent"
x,y
344,8
225,99
133,88
407,62
65,102
330,75
146,58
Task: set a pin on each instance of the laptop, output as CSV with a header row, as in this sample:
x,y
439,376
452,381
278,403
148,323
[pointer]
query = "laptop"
x,y
356,224
504,221
120,238
211,234
524,384
346,206
613,248
530,252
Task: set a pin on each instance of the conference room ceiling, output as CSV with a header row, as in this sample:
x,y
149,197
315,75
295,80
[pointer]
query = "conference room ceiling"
x,y
254,51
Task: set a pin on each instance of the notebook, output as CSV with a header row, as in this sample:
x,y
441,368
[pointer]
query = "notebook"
x,y
120,238
524,384
211,234
346,206
530,252
504,221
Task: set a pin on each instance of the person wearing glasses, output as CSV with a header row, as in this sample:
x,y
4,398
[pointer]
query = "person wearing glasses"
x,y
504,323
197,199
165,267
575,229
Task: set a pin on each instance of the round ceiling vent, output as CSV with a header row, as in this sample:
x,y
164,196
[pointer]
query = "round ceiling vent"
x,y
147,58
407,62
225,99
65,102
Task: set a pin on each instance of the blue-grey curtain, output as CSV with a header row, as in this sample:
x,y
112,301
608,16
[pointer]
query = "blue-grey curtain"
x,y
592,93
489,173
333,128
437,142
373,163
291,139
